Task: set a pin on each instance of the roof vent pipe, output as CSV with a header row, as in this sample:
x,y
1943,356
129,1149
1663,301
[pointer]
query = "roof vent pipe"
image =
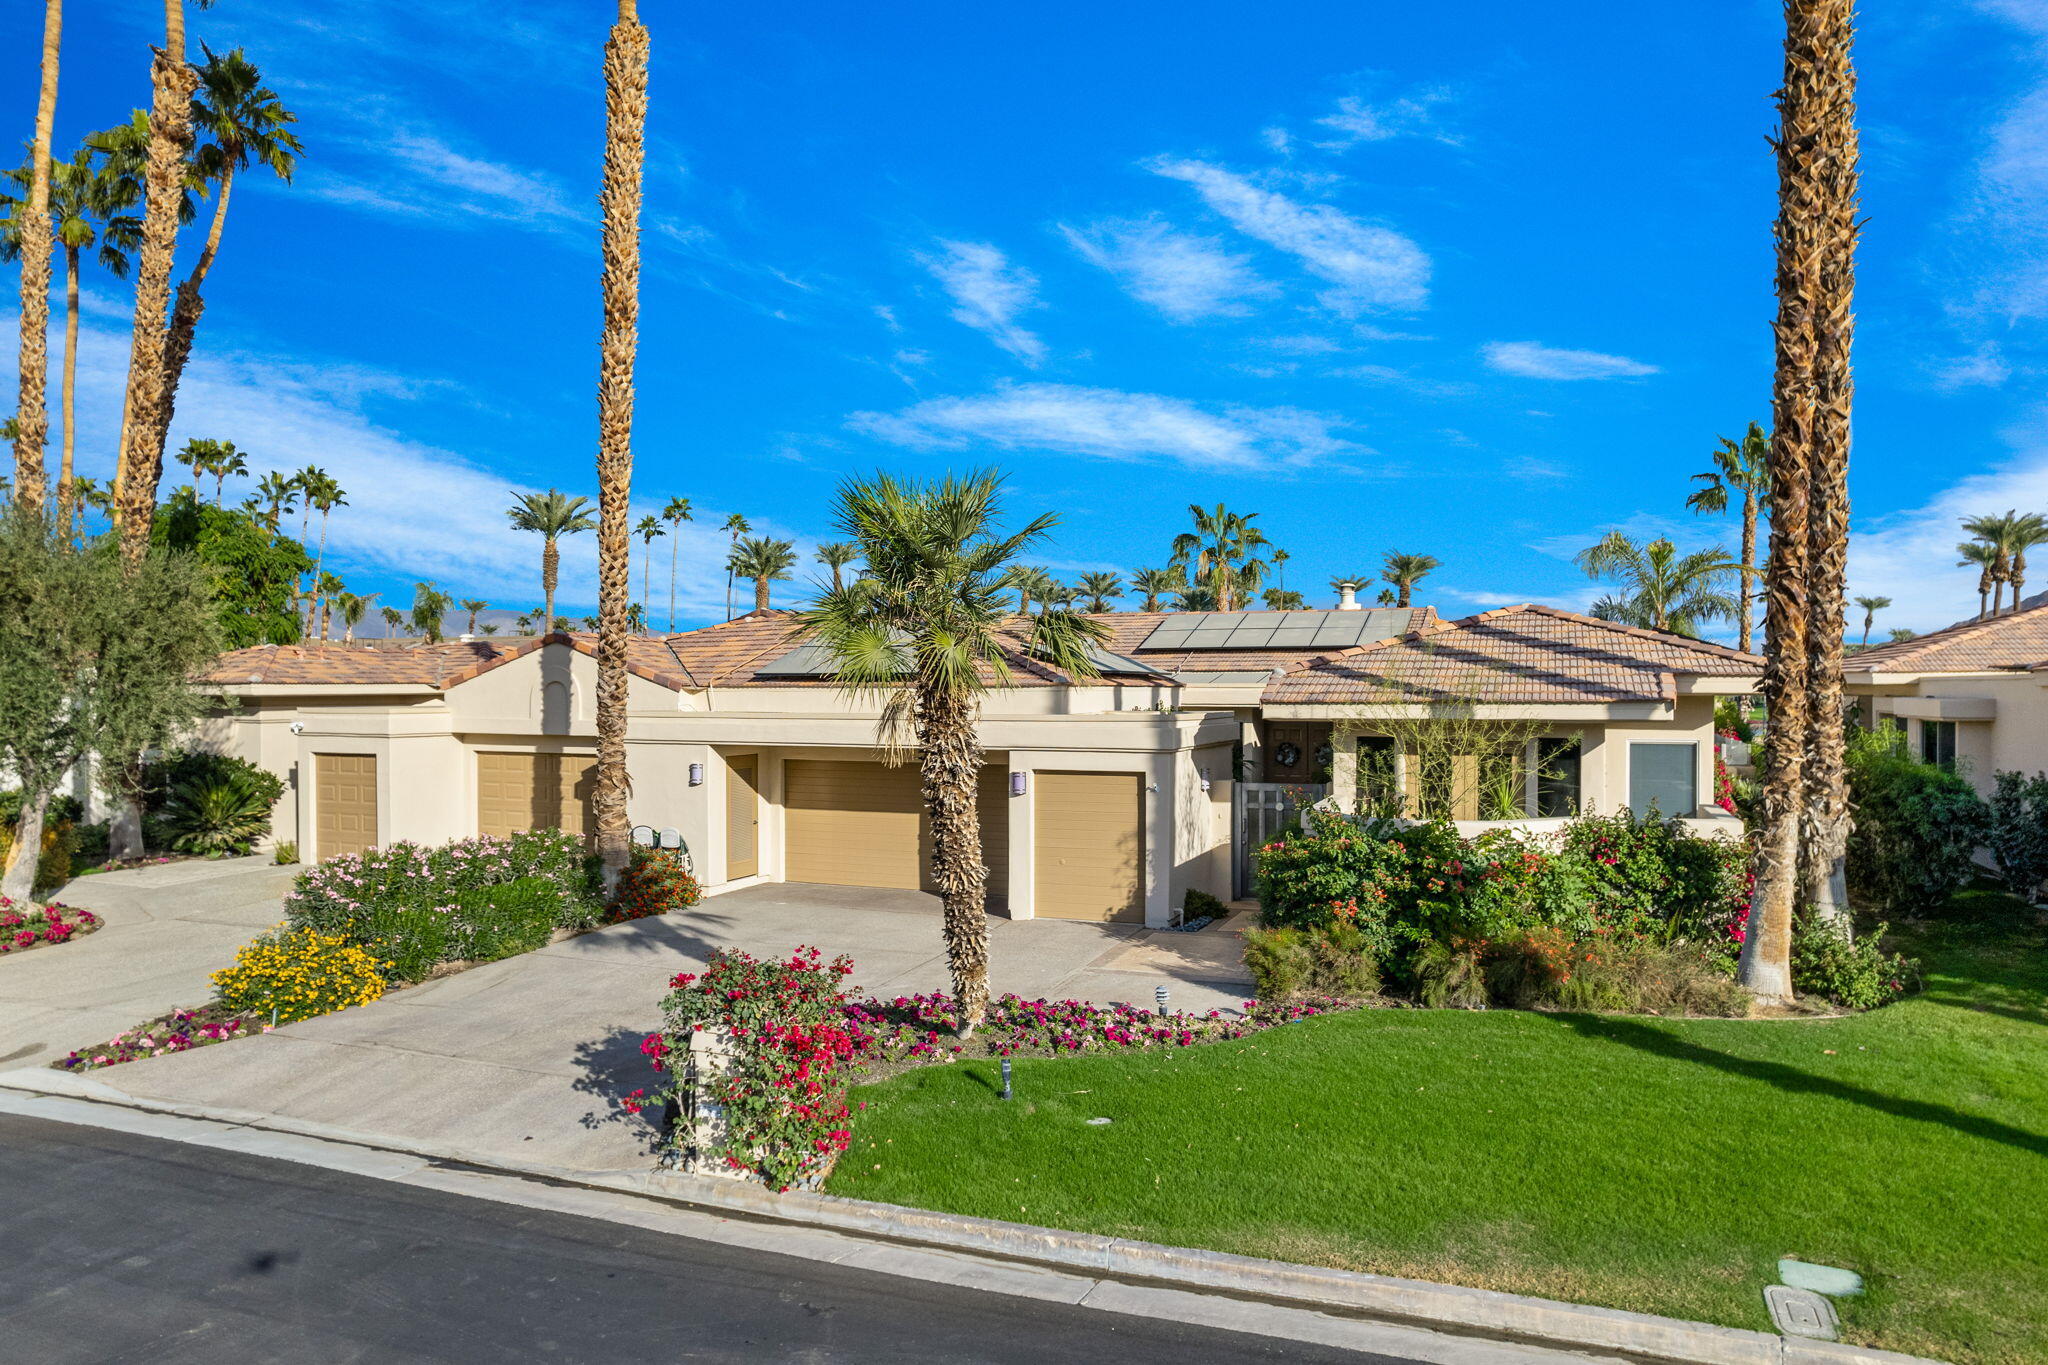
x,y
1347,597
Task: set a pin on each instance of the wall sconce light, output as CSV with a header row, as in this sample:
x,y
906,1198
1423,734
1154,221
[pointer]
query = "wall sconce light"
x,y
1016,784
1205,780
696,774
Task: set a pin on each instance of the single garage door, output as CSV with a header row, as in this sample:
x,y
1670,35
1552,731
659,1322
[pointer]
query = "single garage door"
x,y
850,823
345,794
1090,856
535,791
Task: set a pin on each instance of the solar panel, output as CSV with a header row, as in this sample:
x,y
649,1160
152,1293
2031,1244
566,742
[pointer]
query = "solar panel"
x,y
1316,629
805,661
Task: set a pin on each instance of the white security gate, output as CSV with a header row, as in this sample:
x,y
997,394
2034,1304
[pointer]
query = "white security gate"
x,y
1260,810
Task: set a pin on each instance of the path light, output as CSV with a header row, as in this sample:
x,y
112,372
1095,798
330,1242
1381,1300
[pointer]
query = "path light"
x,y
1159,994
1006,1080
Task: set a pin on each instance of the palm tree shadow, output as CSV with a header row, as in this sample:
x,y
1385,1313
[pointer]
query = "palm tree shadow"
x,y
1630,1033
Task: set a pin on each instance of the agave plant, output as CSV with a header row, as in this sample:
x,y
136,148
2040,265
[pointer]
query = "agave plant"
x,y
226,812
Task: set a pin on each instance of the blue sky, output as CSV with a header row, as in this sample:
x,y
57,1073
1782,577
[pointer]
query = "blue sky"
x,y
1477,279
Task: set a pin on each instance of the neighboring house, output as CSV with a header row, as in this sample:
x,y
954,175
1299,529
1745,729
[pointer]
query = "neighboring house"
x,y
1104,799
1974,695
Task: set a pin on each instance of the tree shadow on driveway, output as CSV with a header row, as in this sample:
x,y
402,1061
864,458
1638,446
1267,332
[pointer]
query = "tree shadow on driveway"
x,y
610,1069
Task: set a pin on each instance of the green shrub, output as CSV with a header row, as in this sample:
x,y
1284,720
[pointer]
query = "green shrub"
x,y
89,844
503,921
162,779
1197,904
1918,825
1856,973
1450,973
1654,876
1644,976
285,853
2018,830
1334,961
222,812
63,809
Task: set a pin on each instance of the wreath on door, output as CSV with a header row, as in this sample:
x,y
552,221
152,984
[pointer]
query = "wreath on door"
x,y
1287,755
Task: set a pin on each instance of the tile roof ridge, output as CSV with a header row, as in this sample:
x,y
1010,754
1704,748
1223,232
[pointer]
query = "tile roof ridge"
x,y
1906,649
1669,637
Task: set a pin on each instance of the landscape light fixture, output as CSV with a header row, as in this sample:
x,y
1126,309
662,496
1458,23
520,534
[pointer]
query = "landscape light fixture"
x,y
1006,1079
1159,994
1016,784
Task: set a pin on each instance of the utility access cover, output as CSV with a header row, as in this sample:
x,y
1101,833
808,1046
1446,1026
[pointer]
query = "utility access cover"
x,y
1801,1312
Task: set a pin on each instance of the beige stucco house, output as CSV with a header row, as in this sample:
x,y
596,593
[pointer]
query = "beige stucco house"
x,y
1105,798
1974,695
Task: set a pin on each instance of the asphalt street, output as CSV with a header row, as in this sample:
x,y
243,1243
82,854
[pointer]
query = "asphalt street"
x,y
127,1248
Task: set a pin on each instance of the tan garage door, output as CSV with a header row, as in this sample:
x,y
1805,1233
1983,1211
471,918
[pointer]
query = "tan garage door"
x,y
1090,856
345,794
535,791
854,824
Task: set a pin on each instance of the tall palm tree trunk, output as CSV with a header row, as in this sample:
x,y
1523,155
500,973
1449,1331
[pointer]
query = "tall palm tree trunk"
x,y
1826,812
1747,589
189,305
550,574
319,562
675,550
32,413
144,419
625,81
69,397
760,594
1766,967
949,769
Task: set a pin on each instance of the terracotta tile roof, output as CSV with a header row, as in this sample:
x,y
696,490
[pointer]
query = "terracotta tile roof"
x,y
439,666
2016,641
1515,654
1129,629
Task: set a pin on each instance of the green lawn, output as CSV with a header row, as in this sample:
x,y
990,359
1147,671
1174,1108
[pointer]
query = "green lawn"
x,y
1642,1164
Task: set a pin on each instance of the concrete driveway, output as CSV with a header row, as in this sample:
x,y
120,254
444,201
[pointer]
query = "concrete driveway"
x,y
167,929
524,1059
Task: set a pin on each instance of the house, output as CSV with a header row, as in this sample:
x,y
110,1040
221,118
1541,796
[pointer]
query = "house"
x,y
1974,695
1104,798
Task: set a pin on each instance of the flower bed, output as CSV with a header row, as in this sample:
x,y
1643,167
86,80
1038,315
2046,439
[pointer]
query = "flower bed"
x,y
791,1041
178,1031
25,925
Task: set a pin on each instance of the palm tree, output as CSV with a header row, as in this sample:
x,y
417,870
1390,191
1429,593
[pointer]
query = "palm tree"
x,y
1804,823
2008,537
550,515
1221,554
353,607
590,623
735,526
1280,599
625,154
1665,590
279,493
1742,467
87,207
1157,583
675,514
1403,572
31,430
198,456
394,622
1280,558
330,589
836,555
473,605
144,417
1098,588
1984,557
218,458
1871,607
763,559
429,606
1386,598
922,633
489,627
323,494
243,122
2028,530
648,528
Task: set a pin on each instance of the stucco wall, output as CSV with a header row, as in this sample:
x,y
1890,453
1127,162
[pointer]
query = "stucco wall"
x,y
2014,737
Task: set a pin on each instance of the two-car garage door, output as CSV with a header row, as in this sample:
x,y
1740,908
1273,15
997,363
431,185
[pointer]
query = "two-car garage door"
x,y
864,824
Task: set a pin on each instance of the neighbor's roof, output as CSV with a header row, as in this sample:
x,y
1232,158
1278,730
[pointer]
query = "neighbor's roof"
x,y
1201,642
441,666
766,649
1524,654
2016,641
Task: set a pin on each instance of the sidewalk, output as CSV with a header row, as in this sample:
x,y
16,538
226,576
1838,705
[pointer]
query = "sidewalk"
x,y
167,930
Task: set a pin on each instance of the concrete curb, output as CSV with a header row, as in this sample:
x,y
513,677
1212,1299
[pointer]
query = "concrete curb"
x,y
1448,1308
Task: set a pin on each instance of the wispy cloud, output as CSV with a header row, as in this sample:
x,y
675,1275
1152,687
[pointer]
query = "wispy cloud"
x,y
2010,194
1533,360
1983,369
990,294
1373,268
1357,120
421,175
1184,276
1114,425
1393,377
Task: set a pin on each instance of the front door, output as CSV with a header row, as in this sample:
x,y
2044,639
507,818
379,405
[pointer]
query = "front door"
x,y
742,819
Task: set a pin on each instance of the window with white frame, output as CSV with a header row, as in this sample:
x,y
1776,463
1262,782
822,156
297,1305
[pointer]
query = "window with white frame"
x,y
1663,778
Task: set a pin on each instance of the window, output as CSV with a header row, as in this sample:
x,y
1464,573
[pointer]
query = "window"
x,y
1663,777
1379,776
1938,742
1557,776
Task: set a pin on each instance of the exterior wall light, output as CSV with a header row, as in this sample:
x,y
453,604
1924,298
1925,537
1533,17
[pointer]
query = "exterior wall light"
x,y
696,774
1016,784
